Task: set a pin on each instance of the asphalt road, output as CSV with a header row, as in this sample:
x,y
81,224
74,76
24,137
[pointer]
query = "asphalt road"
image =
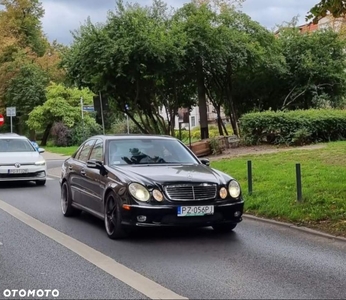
x,y
257,261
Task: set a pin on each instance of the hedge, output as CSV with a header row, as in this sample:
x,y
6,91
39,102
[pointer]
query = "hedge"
x,y
296,127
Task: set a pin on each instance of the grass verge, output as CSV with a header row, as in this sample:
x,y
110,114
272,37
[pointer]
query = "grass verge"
x,y
274,186
61,150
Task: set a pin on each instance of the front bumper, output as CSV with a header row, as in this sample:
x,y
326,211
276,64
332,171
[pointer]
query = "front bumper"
x,y
31,173
166,215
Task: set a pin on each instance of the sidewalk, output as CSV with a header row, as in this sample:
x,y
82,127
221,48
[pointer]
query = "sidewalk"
x,y
53,156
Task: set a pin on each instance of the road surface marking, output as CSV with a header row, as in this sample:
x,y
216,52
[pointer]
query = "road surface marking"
x,y
144,285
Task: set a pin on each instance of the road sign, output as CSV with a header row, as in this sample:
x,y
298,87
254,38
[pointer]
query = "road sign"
x,y
88,108
11,111
2,120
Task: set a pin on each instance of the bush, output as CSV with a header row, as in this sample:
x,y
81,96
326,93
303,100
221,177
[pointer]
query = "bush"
x,y
84,130
294,127
61,134
120,126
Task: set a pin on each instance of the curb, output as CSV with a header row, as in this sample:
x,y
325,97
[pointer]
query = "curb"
x,y
292,226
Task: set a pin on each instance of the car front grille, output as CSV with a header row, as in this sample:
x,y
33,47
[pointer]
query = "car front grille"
x,y
191,192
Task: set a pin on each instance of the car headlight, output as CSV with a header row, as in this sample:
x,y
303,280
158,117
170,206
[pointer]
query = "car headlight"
x,y
234,189
139,192
40,163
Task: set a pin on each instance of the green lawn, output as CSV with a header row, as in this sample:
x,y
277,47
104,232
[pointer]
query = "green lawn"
x,y
274,186
61,150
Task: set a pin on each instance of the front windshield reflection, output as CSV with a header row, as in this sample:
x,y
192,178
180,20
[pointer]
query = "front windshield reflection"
x,y
148,151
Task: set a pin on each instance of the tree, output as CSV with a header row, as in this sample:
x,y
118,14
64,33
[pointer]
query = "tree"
x,y
316,62
22,19
26,91
131,59
337,8
62,105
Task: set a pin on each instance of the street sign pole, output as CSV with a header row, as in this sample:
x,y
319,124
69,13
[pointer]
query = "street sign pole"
x,y
127,119
102,117
82,110
11,112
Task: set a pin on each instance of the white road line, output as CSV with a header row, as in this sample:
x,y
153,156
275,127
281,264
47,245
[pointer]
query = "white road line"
x,y
133,279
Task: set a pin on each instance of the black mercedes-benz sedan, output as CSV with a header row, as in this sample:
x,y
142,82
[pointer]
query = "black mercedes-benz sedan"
x,y
145,180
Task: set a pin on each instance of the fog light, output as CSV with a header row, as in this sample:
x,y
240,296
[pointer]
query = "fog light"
x,y
237,213
141,218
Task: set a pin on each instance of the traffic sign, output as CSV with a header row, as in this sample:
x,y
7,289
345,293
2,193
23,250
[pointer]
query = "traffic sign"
x,y
88,108
2,120
11,111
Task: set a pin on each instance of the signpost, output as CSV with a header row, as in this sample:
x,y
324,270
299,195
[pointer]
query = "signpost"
x,y
2,120
11,112
88,108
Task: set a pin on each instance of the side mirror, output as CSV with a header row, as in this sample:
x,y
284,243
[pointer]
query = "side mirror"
x,y
94,164
40,150
205,161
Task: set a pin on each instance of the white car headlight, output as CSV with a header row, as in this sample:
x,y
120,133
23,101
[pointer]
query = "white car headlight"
x,y
139,192
40,163
234,189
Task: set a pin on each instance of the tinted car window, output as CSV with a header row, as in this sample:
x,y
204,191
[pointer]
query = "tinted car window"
x,y
16,145
97,151
147,151
84,154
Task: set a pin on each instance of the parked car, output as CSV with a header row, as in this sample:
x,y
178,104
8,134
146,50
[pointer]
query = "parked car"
x,y
19,160
145,181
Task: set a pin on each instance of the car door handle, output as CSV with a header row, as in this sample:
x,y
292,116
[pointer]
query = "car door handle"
x,y
82,172
70,168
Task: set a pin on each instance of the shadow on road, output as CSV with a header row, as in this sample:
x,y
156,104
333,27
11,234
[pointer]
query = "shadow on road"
x,y
164,233
18,184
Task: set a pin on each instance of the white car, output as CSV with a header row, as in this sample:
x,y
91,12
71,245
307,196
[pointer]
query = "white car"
x,y
20,161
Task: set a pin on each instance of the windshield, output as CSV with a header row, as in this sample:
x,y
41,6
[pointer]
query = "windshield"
x,y
16,145
148,151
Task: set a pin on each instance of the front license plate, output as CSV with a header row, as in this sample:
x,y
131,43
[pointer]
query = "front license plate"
x,y
193,211
17,171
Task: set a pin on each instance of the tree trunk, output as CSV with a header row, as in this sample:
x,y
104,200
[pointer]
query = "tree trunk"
x,y
46,135
224,128
219,121
202,102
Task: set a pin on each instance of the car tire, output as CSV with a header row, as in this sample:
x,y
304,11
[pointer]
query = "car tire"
x,y
112,218
66,202
224,228
40,182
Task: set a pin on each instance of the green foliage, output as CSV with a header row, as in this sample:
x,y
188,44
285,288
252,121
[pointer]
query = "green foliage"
x,y
274,185
337,8
27,89
120,126
62,105
294,127
82,131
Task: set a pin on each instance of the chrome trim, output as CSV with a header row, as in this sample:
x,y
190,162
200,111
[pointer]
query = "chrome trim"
x,y
193,191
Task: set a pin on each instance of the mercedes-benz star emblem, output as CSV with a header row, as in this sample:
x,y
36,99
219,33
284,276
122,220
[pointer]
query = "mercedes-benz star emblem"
x,y
17,165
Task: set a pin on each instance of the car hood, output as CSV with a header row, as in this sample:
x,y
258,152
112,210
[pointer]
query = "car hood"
x,y
19,157
162,174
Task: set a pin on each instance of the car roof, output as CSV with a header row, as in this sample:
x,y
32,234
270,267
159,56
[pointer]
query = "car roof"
x,y
131,136
12,136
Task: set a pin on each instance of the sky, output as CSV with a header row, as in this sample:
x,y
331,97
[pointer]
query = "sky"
x,y
63,16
